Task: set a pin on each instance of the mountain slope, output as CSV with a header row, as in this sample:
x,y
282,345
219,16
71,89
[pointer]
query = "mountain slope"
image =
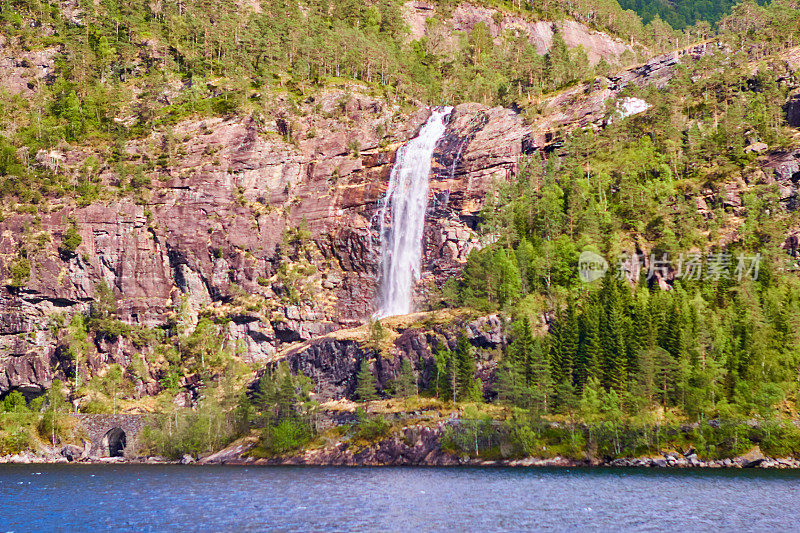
x,y
183,215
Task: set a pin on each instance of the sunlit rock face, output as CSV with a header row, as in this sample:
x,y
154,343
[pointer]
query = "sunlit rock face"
x,y
627,107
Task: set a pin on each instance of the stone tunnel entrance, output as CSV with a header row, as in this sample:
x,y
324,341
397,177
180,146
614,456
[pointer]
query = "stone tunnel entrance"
x,y
112,435
114,442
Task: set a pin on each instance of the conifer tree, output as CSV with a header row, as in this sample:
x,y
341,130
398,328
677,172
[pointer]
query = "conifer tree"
x,y
407,380
366,388
510,386
521,349
565,337
565,398
467,387
540,380
612,337
590,349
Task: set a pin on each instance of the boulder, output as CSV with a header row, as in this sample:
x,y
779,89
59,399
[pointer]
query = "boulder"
x,y
71,452
751,459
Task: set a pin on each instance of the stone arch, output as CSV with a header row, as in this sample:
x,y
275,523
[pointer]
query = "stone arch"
x,y
114,442
100,430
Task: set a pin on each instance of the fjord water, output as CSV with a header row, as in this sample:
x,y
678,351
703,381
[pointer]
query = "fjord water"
x,y
404,207
216,498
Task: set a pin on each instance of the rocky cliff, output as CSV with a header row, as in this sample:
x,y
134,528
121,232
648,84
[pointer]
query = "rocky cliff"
x,y
332,361
539,33
268,219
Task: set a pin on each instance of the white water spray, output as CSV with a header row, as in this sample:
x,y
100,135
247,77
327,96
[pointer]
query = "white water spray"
x,y
404,205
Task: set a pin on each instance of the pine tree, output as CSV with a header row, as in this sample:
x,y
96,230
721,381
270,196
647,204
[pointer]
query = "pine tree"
x,y
565,337
510,385
612,337
366,388
467,387
265,397
589,353
541,383
73,114
566,398
521,349
286,394
407,380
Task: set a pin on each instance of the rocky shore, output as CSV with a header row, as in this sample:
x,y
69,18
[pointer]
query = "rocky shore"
x,y
60,458
669,460
420,446
339,457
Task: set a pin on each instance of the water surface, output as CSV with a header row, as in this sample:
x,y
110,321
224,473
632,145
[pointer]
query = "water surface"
x,y
160,498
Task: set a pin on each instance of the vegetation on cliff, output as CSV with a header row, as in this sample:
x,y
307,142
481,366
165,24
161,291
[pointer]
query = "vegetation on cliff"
x,y
610,368
653,338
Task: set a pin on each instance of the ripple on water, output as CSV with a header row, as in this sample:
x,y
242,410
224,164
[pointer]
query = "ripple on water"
x,y
158,497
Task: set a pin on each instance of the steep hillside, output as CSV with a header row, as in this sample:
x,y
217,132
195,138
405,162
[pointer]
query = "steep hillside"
x,y
174,195
192,199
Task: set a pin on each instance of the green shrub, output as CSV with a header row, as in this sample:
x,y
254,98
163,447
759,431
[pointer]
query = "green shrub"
x,y
15,440
72,239
371,429
354,147
20,271
14,402
185,431
287,435
52,426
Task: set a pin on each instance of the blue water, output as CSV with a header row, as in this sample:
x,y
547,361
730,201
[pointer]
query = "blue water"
x,y
169,498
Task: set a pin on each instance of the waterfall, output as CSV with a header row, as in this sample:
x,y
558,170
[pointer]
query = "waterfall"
x,y
404,206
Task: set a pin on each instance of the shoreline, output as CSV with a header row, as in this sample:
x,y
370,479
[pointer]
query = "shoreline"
x,y
668,462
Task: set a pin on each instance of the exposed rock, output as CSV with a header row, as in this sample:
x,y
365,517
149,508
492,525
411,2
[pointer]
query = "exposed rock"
x,y
71,452
792,109
587,104
332,363
418,445
486,332
783,168
792,244
751,459
757,147
480,146
22,71
213,230
465,17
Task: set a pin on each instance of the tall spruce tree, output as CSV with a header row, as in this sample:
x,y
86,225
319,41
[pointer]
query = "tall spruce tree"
x,y
407,380
590,350
366,388
467,386
613,337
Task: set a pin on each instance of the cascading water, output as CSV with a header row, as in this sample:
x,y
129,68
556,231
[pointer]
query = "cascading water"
x,y
404,205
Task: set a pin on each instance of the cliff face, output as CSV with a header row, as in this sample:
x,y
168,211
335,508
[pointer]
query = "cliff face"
x,y
465,17
219,223
332,361
269,220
